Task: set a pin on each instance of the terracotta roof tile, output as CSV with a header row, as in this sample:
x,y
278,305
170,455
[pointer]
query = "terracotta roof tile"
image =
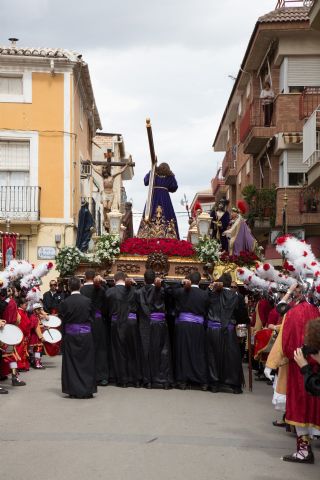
x,y
286,14
39,52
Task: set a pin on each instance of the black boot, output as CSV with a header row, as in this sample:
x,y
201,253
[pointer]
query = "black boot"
x,y
304,452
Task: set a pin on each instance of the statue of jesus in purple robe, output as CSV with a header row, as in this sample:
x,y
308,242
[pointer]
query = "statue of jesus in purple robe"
x,y
163,221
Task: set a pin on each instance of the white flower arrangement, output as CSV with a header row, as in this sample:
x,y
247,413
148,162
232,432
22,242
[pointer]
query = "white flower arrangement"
x,y
68,260
108,247
208,250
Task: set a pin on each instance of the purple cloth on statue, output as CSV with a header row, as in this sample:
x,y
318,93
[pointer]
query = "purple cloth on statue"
x,y
244,241
190,317
77,328
161,197
157,317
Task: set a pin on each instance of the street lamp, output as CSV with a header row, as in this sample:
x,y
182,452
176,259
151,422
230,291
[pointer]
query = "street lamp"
x,y
194,235
203,224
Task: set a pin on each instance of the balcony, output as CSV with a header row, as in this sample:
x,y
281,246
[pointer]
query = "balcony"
x,y
254,131
303,206
218,186
19,203
309,102
311,146
229,165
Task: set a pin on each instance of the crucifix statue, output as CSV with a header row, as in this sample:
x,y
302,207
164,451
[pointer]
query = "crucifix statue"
x,y
109,200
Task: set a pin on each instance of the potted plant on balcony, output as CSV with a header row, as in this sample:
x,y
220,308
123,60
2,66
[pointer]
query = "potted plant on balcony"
x,y
266,204
249,194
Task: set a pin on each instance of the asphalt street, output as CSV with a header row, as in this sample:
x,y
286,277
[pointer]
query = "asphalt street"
x,y
129,434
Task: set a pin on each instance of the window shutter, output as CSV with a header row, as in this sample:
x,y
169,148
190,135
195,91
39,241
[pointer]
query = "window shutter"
x,y
295,162
14,155
303,71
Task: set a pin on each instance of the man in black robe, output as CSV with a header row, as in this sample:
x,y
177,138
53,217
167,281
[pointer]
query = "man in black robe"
x,y
191,305
124,332
78,368
226,310
156,351
96,293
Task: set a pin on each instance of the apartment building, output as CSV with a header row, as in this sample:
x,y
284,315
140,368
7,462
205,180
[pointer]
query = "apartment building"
x,y
48,118
269,159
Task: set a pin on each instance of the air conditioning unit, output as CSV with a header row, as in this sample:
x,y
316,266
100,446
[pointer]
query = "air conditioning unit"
x,y
86,170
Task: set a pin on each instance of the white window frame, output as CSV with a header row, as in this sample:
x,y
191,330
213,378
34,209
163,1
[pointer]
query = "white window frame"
x,y
26,96
33,138
239,177
248,167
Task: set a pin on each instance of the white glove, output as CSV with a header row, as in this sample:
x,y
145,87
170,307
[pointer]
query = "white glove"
x,y
267,372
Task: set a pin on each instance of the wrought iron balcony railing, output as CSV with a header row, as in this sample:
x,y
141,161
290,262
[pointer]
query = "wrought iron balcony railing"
x,y
20,203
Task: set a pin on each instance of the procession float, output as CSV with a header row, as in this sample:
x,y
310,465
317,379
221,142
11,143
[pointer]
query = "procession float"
x,y
157,244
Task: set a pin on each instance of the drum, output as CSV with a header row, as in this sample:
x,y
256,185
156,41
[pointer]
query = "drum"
x,y
51,342
242,330
52,335
51,322
11,334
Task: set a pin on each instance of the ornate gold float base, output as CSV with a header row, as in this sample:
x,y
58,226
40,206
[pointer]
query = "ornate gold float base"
x,y
172,268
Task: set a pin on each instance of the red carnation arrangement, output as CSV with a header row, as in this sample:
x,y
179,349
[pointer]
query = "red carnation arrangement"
x,y
169,246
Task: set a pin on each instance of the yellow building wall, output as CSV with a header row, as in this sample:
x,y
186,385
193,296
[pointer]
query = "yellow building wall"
x,y
46,115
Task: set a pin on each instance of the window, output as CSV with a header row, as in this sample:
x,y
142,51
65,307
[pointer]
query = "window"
x,y
21,252
239,178
14,155
296,179
11,85
15,87
248,167
292,170
240,107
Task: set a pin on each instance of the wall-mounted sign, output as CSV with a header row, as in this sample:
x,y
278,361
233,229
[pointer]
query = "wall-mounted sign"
x,y
47,253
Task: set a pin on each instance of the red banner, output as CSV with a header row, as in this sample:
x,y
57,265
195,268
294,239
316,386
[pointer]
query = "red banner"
x,y
9,248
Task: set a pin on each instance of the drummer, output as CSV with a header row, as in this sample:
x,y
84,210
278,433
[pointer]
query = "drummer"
x,y
36,337
25,326
2,390
10,356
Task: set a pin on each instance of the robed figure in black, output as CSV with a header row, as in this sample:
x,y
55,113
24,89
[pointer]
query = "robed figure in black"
x,y
96,292
191,305
124,332
226,310
78,368
154,334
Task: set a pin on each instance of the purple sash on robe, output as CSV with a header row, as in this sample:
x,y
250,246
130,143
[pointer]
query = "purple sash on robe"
x,y
98,314
77,328
131,316
157,317
212,324
190,317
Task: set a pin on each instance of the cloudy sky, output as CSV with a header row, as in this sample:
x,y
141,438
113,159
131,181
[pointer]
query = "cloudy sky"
x,y
167,59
